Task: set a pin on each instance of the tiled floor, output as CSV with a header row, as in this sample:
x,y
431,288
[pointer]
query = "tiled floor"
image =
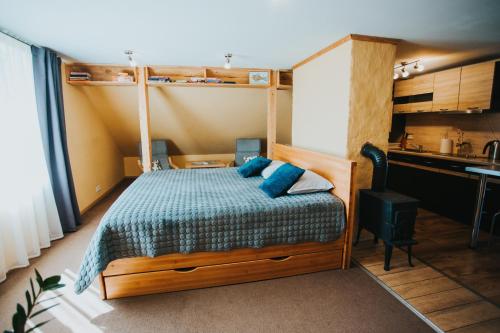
x,y
440,296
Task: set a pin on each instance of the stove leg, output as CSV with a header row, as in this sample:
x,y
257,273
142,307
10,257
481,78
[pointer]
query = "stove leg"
x,y
358,234
388,255
409,256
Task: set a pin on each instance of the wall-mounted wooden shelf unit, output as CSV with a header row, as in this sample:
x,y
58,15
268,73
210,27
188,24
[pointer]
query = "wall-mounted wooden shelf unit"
x,y
180,76
101,75
284,79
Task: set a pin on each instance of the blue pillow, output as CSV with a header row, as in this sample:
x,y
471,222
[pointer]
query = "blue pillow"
x,y
254,166
281,180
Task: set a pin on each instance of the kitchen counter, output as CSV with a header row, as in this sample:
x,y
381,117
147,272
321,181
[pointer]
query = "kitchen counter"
x,y
429,154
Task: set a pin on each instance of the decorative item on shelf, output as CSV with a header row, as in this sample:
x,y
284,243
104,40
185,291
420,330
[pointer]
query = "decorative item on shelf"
x,y
159,78
404,68
258,77
197,79
213,80
123,77
79,76
180,81
227,61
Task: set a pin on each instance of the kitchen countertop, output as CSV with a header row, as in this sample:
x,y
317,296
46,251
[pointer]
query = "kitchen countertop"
x,y
430,154
492,170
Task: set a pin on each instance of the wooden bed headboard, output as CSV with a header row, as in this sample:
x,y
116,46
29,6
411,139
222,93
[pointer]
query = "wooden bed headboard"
x,y
339,171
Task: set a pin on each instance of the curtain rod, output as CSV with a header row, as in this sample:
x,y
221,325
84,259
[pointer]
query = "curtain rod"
x,y
19,39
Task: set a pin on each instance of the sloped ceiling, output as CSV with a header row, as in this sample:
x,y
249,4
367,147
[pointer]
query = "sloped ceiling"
x,y
260,33
194,120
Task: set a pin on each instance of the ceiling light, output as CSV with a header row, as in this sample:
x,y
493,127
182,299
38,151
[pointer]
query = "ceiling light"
x,y
227,62
404,73
396,76
418,67
130,56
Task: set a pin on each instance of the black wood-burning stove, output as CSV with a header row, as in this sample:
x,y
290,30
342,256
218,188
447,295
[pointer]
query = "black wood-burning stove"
x,y
389,215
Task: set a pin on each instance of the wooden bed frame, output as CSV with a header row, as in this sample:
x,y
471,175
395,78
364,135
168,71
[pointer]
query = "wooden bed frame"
x,y
174,272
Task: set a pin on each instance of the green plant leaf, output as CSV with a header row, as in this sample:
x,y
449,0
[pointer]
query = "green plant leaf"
x,y
28,300
52,280
32,288
21,312
38,325
43,310
18,323
39,279
54,286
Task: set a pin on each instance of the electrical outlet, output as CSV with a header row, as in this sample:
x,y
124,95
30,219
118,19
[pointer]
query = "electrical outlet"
x,y
98,188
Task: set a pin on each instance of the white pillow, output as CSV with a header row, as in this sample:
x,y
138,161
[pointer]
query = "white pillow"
x,y
268,171
310,182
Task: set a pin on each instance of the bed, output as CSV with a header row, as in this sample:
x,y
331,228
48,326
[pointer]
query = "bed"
x,y
182,229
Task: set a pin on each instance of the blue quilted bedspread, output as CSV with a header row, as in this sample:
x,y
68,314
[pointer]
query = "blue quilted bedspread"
x,y
188,211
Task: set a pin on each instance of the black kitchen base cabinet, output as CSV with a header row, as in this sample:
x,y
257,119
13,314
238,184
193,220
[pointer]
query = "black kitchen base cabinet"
x,y
450,196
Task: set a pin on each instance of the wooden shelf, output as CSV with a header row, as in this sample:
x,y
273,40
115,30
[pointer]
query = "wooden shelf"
x,y
199,85
238,75
284,79
101,75
101,83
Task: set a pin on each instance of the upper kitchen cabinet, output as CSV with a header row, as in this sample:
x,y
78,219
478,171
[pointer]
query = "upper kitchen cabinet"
x,y
414,95
446,89
422,84
476,86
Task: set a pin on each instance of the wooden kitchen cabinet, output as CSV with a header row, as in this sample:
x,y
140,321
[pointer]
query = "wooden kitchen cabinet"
x,y
476,86
446,90
421,84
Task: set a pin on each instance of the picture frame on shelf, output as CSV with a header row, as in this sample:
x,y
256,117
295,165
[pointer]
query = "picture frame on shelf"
x,y
258,78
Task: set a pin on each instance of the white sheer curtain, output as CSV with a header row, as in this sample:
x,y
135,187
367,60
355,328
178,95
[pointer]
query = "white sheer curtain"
x,y
28,215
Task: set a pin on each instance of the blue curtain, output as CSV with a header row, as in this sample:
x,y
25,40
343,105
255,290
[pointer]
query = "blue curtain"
x,y
48,90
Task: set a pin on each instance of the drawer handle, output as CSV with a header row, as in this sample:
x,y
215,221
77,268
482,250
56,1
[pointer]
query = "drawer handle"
x,y
420,110
443,109
185,269
283,258
473,107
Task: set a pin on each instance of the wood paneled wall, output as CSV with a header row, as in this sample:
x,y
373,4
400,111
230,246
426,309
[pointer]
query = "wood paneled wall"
x,y
428,129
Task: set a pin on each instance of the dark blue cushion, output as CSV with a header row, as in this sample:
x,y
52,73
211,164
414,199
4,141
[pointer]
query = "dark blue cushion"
x,y
254,166
281,180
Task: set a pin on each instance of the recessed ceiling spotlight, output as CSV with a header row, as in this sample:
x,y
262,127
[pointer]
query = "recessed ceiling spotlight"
x,y
418,67
227,61
130,57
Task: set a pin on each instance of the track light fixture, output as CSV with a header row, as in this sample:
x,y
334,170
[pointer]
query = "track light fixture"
x,y
404,73
227,61
404,68
130,57
419,67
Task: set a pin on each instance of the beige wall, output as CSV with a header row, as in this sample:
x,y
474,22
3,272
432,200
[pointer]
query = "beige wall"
x,y
428,129
95,158
343,99
321,102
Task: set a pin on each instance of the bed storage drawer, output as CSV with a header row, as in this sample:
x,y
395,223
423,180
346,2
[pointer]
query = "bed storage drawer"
x,y
177,260
216,275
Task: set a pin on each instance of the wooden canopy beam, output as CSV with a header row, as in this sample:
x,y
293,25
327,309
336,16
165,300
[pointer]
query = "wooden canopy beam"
x,y
272,105
144,119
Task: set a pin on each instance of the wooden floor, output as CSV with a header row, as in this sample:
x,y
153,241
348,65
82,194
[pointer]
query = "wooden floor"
x,y
456,288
